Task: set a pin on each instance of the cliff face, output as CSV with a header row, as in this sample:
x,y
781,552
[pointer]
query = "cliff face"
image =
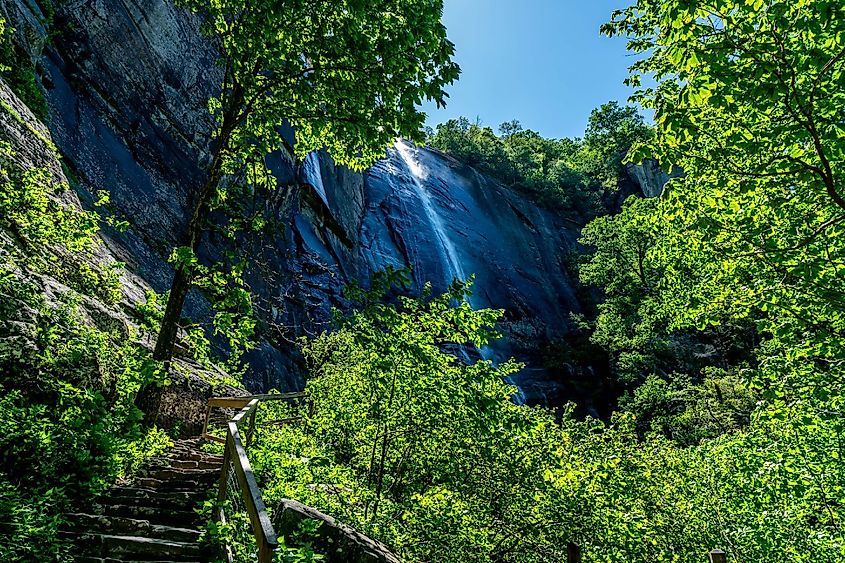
x,y
650,178
127,84
31,146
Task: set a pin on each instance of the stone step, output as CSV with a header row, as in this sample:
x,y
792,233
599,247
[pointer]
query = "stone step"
x,y
151,516
117,525
171,485
194,495
185,450
195,442
137,547
195,454
195,464
202,475
213,462
161,501
154,515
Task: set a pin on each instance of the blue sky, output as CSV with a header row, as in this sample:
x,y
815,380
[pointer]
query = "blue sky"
x,y
542,62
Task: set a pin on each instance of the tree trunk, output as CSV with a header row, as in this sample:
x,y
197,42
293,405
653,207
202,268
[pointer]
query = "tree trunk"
x,y
166,341
183,277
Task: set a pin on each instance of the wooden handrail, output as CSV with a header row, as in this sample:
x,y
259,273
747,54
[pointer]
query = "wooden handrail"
x,y
236,456
239,403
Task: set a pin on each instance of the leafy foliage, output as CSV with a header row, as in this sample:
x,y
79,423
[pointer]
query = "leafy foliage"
x,y
236,534
52,234
745,246
69,370
632,316
635,260
19,72
760,207
68,422
428,453
564,174
348,77
431,456
688,413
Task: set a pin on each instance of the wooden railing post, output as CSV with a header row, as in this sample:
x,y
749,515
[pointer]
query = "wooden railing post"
x,y
207,417
573,553
235,456
718,556
251,430
265,554
223,485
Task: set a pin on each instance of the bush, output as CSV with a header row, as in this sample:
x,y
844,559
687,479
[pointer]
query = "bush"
x,y
19,72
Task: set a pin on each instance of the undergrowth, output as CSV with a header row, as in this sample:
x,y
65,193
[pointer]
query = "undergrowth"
x,y
69,367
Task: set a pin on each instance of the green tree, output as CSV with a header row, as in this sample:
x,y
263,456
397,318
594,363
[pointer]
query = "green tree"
x,y
567,175
688,412
749,102
430,455
348,76
623,262
750,235
472,144
611,131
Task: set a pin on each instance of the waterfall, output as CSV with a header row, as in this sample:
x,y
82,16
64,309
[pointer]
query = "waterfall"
x,y
447,249
448,253
314,176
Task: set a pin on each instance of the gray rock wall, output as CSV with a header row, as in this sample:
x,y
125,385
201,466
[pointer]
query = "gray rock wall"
x,y
650,178
183,402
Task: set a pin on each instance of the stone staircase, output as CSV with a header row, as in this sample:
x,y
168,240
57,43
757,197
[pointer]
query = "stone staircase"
x,y
150,517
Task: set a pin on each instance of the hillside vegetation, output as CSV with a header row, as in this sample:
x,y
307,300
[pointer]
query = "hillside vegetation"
x,y
69,368
576,177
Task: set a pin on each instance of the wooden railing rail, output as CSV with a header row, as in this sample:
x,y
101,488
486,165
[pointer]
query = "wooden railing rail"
x,y
240,403
236,463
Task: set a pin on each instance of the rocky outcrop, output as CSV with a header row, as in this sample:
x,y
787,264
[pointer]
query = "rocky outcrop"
x,y
650,177
32,146
336,542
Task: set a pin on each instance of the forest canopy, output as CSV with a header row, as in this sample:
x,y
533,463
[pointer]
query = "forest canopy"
x,y
579,176
719,305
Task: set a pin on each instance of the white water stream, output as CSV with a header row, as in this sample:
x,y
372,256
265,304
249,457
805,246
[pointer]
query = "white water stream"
x,y
451,261
448,252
